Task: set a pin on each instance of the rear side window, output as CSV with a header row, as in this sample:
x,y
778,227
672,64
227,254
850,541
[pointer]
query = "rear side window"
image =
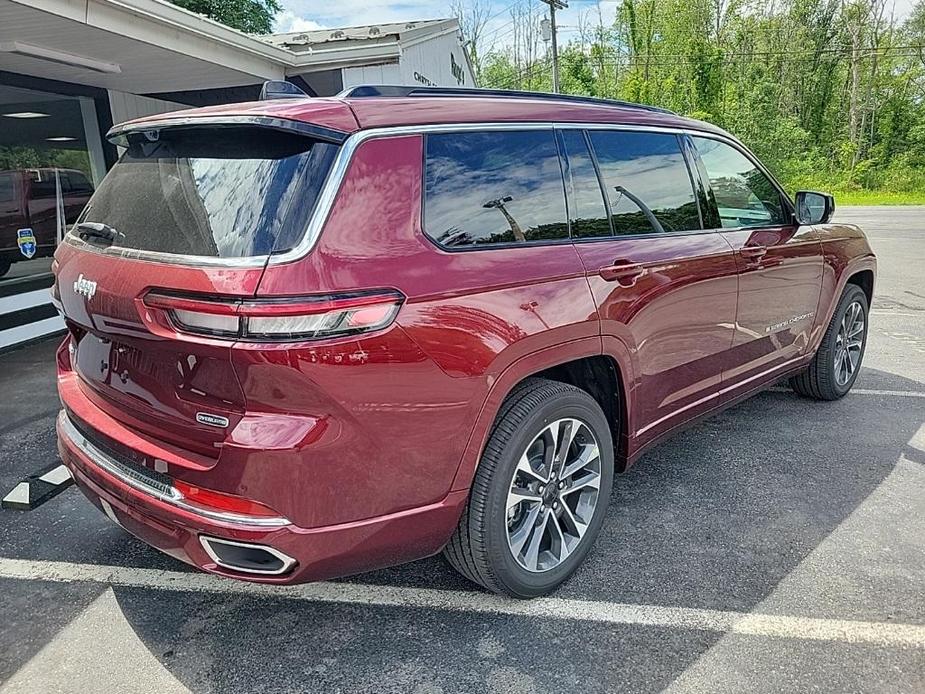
x,y
486,188
224,192
744,195
647,182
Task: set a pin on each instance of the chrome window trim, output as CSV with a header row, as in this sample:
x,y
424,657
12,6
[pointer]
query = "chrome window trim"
x,y
332,184
112,467
288,562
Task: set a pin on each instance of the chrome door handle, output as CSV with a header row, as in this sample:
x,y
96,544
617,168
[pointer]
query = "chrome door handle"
x,y
624,273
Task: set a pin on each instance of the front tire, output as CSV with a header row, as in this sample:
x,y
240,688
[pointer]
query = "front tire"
x,y
540,492
837,363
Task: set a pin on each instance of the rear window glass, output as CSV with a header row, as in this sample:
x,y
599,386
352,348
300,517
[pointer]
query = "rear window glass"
x,y
226,192
493,187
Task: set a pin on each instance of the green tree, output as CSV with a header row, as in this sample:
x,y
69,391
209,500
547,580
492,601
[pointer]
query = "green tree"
x,y
829,93
249,16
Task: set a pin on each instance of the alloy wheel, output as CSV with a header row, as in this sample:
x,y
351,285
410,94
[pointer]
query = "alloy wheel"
x,y
553,494
849,343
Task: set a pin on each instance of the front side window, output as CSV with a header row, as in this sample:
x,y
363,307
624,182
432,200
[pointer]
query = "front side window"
x,y
221,192
647,182
496,187
744,195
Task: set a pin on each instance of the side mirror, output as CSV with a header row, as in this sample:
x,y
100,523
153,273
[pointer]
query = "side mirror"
x,y
814,208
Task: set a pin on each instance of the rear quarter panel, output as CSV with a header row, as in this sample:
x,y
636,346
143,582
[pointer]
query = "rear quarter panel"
x,y
403,428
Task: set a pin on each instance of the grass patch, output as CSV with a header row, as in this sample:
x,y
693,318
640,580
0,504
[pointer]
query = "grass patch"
x,y
848,198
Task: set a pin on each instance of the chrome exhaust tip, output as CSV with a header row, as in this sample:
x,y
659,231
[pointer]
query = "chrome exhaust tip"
x,y
245,557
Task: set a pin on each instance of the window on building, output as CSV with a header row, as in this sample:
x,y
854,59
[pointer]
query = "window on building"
x,y
46,140
744,195
493,187
647,182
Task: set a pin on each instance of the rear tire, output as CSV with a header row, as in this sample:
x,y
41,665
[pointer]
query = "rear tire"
x,y
834,369
533,512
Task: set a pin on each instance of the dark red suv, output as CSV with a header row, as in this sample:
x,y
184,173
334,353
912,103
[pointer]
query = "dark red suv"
x,y
312,337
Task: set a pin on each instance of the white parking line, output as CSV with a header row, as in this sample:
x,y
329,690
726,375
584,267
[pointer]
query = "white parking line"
x,y
864,391
754,624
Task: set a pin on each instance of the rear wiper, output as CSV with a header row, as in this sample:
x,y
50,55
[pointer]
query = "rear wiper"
x,y
98,230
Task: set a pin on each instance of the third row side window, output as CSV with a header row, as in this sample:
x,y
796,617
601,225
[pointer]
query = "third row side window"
x,y
646,181
484,188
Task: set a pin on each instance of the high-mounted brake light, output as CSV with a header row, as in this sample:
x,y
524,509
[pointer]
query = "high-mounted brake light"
x,y
276,319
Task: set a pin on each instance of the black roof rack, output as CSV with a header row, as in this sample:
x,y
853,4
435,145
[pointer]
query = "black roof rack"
x,y
371,90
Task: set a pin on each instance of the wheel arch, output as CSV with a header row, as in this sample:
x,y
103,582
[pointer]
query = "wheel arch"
x,y
580,363
865,280
862,272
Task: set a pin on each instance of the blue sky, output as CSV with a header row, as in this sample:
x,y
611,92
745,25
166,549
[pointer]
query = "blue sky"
x,y
301,15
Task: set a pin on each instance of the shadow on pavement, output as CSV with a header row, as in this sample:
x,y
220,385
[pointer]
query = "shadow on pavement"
x,y
713,518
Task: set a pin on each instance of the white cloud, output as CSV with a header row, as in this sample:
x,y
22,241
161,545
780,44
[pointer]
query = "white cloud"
x,y
360,12
288,21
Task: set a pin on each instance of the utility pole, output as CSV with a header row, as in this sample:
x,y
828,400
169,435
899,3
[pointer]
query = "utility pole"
x,y
553,6
499,204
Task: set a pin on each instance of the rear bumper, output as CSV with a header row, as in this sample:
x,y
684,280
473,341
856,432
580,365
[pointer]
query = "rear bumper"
x,y
315,553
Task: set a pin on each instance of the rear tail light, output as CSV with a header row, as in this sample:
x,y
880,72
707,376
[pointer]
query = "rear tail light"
x,y
276,319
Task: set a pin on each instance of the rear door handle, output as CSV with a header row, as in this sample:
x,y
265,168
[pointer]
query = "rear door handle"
x,y
624,273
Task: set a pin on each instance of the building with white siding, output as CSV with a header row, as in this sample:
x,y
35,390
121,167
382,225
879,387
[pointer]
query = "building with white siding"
x,y
70,69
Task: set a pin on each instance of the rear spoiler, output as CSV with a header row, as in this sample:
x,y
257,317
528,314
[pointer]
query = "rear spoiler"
x,y
150,129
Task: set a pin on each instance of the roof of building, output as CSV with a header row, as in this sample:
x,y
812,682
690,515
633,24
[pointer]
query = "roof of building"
x,y
153,46
299,41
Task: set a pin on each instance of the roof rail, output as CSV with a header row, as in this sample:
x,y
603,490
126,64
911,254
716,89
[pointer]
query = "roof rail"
x,y
372,90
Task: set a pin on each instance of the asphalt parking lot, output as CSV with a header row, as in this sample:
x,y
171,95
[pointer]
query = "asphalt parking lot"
x,y
779,546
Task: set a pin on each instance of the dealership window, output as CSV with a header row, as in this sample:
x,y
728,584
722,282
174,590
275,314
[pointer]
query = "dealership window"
x,y
484,188
50,161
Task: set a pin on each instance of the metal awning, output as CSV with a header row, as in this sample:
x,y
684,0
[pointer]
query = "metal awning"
x,y
137,46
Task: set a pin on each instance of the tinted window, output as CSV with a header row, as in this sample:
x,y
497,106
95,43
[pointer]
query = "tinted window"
x,y
226,192
647,182
744,195
79,183
493,187
587,213
43,184
7,187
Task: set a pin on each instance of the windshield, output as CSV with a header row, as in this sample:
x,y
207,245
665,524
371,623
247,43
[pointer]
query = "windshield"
x,y
225,192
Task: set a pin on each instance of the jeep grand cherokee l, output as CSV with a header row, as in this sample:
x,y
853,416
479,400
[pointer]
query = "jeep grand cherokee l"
x,y
310,337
